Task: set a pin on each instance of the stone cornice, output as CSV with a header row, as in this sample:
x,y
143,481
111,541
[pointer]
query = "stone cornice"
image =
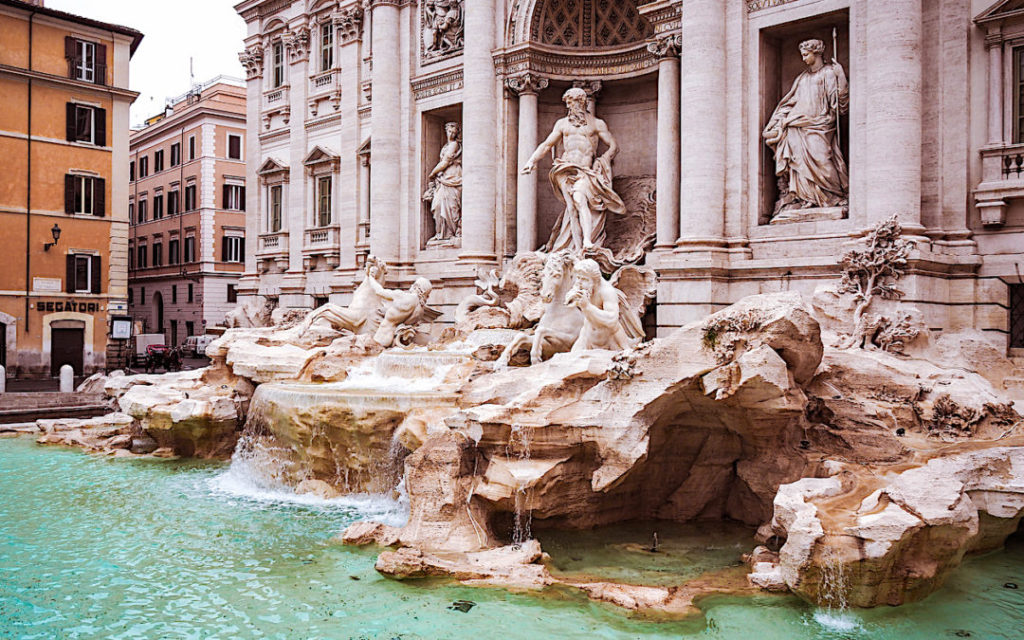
x,y
437,84
572,64
664,15
758,5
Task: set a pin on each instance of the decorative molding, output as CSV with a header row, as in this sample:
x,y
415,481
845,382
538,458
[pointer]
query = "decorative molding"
x,y
572,64
252,59
758,5
368,91
349,23
589,23
297,43
437,84
442,29
664,15
666,45
592,87
526,83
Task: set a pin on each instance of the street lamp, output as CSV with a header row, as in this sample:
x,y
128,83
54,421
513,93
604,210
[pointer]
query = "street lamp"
x,y
55,231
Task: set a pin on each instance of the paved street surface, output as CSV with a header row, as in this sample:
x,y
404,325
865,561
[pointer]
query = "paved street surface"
x,y
53,384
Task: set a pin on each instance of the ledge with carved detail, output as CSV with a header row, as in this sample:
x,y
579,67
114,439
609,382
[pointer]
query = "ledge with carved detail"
x,y
276,101
1002,171
559,63
325,85
322,244
273,247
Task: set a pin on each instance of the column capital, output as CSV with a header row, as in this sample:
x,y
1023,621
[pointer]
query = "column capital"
x,y
526,83
592,87
666,45
994,38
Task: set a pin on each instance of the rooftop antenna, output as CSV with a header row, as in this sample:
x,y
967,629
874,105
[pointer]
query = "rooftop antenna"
x,y
195,91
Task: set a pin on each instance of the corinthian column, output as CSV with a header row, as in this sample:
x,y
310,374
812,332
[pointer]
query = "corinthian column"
x,y
702,110
480,129
667,49
385,115
893,156
527,86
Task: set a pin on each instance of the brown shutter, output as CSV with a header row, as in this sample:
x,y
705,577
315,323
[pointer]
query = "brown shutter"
x,y
97,274
100,116
69,193
71,128
241,249
69,53
101,64
243,199
69,286
100,197
224,249
224,197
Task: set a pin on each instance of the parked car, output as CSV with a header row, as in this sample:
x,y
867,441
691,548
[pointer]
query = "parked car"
x,y
196,345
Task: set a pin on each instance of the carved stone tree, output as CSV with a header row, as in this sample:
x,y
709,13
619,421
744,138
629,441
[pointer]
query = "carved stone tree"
x,y
873,271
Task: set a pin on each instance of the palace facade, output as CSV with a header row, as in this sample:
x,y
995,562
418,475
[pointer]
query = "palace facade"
x,y
757,141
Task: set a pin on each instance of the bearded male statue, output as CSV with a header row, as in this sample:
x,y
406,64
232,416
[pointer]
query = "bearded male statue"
x,y
582,180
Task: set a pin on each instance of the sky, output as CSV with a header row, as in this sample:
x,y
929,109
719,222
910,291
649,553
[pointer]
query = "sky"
x,y
208,31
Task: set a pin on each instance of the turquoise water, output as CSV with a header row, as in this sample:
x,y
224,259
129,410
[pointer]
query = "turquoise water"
x,y
101,548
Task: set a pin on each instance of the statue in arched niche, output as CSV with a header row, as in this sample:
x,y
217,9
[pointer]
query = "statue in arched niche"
x,y
804,133
444,191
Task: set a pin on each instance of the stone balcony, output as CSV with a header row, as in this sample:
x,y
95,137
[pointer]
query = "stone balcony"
x,y
1002,170
273,249
276,101
325,85
321,248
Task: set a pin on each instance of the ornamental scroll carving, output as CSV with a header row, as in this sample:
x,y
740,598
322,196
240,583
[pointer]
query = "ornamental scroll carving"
x,y
443,28
666,46
349,22
526,83
297,43
252,60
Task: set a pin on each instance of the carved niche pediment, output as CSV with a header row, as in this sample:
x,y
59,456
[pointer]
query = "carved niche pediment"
x,y
320,159
1002,10
273,170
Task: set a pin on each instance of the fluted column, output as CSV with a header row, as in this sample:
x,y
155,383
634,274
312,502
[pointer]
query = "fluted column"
x,y
385,116
480,128
893,162
667,49
994,42
527,86
702,110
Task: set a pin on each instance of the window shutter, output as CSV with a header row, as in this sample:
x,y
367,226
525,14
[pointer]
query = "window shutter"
x,y
224,249
242,203
100,116
97,274
69,54
69,193
241,249
71,129
100,197
101,64
224,197
69,284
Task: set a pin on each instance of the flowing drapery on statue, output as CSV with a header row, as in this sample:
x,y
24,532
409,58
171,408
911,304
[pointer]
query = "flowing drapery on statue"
x,y
581,180
803,132
444,192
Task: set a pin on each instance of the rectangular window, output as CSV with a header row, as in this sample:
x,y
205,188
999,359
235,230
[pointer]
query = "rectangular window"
x,y
191,147
190,249
233,249
142,256
142,295
323,201
158,254
276,194
84,273
158,206
131,295
87,61
191,294
143,167
232,293
326,46
173,251
131,213
174,295
1017,316
190,327
234,147
234,197
84,194
174,333
131,261
278,64
87,124
175,154
131,171
190,197
173,202
158,161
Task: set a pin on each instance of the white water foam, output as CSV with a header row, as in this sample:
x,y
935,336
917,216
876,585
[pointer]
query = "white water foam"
x,y
236,483
836,620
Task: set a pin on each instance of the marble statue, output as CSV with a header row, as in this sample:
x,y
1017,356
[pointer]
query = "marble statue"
x,y
803,132
361,315
402,312
444,192
582,180
559,324
443,27
609,321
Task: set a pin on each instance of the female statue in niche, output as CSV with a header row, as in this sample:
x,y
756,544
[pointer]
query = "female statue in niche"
x,y
803,132
444,190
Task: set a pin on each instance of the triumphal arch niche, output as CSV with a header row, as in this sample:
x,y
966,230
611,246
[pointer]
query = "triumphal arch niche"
x,y
602,47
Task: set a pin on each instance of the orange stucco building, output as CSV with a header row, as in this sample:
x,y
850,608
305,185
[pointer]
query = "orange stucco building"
x,y
64,103
186,245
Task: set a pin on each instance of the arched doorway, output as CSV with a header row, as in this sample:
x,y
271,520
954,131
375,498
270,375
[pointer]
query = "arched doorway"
x,y
158,311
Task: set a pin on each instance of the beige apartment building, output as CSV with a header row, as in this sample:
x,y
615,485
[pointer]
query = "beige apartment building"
x,y
186,202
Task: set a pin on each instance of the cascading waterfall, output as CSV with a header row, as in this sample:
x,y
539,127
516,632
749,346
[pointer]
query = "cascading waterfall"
x,y
518,447
833,592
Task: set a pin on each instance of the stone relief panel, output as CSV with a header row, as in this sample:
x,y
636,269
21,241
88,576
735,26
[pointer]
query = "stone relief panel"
x,y
442,30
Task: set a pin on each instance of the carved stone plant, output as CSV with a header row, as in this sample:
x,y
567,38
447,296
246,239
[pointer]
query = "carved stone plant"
x,y
873,271
723,335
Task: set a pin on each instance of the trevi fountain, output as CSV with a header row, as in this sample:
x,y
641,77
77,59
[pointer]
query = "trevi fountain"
x,y
540,465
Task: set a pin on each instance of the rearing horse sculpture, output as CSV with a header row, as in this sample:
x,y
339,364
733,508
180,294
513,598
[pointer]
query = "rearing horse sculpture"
x,y
560,324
